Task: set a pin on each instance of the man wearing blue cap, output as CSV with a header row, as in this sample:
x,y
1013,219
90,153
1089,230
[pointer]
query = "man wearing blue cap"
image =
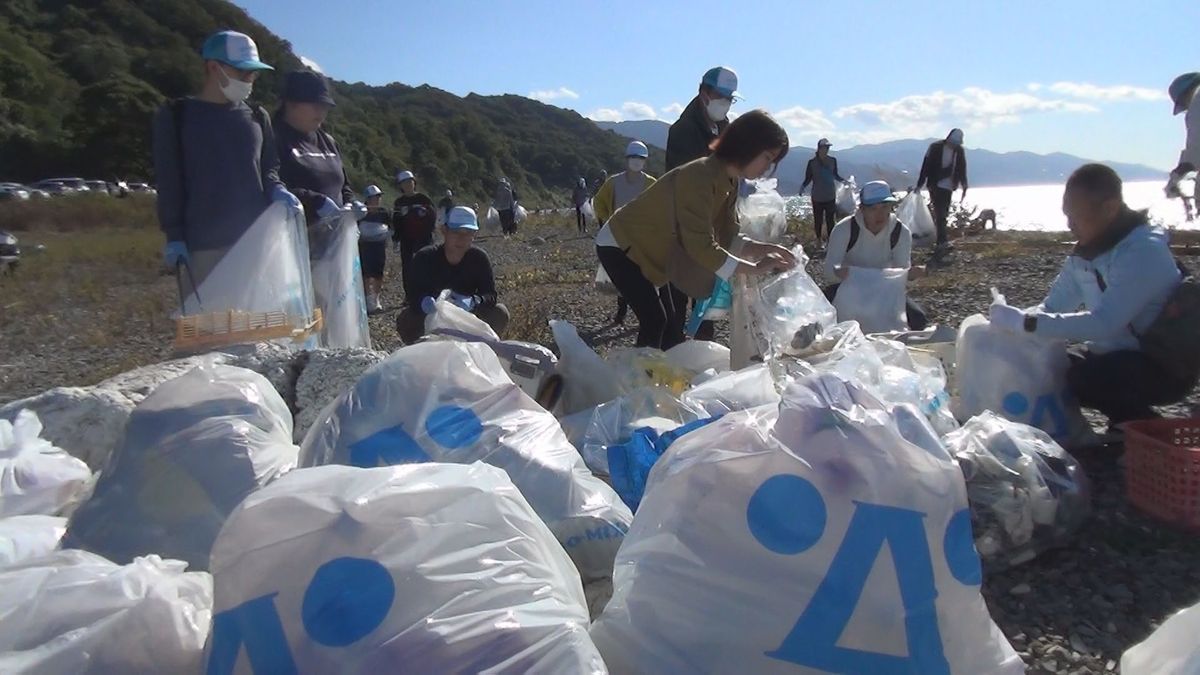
x,y
456,265
873,238
214,159
703,119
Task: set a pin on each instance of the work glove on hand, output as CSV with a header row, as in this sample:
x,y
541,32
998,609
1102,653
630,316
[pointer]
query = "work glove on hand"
x,y
328,209
174,253
280,194
466,302
427,304
359,208
1006,317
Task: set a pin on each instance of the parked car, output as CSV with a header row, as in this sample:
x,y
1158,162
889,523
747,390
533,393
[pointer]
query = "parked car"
x,y
10,253
142,188
54,188
98,186
13,192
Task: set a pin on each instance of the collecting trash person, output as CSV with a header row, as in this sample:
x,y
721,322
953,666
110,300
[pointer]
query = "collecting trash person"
x,y
1110,295
505,201
1184,95
619,191
579,199
683,230
215,144
310,163
456,265
444,206
373,233
413,221
822,174
944,170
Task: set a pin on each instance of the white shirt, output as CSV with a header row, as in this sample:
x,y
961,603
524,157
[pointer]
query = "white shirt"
x,y
947,183
871,250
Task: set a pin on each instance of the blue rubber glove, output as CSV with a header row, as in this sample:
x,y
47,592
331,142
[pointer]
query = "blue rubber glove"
x,y
360,209
174,253
427,304
328,209
280,194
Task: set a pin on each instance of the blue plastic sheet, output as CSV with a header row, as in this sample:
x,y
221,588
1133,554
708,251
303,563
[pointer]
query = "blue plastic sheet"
x,y
629,463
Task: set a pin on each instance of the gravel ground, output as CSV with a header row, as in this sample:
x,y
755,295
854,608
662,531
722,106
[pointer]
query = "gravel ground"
x,y
1073,610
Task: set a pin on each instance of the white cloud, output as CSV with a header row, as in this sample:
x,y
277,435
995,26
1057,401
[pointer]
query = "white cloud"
x,y
630,110
973,108
672,111
1119,92
804,123
311,65
547,95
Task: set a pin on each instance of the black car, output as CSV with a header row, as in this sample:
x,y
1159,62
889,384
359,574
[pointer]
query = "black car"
x,y
10,253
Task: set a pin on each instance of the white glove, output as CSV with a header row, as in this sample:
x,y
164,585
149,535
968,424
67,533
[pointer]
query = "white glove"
x,y
1006,317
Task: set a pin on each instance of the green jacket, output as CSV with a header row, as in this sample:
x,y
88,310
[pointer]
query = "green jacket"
x,y
691,135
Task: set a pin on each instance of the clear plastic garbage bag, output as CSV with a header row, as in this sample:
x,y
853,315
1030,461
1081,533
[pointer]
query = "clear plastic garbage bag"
x,y
24,538
519,214
587,380
37,478
1021,377
266,270
874,298
847,198
492,220
1027,494
790,307
829,535
436,568
913,211
337,283
698,356
75,612
192,451
614,422
589,214
452,402
1172,649
744,389
763,213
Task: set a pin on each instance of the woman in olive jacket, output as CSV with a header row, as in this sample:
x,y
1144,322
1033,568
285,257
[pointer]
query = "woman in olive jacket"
x,y
683,230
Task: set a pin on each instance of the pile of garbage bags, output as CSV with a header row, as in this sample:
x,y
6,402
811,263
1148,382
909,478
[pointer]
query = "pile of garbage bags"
x,y
37,478
1027,493
1170,650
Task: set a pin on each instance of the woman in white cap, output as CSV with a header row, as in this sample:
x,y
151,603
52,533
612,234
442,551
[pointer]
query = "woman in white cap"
x,y
619,191
373,233
944,169
413,220
682,231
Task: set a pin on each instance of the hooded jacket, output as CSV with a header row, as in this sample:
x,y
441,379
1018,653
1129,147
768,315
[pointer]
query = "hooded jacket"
x,y
932,170
691,134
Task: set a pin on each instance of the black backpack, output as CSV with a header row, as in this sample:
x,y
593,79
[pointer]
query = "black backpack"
x,y
855,228
1172,341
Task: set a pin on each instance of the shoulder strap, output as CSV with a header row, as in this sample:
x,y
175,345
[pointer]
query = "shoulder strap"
x,y
1100,280
896,234
853,234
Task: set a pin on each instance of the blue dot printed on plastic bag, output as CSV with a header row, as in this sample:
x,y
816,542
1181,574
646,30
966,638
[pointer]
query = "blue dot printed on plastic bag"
x,y
450,426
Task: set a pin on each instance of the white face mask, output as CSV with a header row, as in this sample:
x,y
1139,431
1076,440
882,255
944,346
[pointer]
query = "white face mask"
x,y
718,108
635,164
235,90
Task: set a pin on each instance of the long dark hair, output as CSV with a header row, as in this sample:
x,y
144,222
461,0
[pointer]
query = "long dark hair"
x,y
748,136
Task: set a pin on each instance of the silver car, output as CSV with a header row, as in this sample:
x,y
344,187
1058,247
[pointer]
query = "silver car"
x,y
10,253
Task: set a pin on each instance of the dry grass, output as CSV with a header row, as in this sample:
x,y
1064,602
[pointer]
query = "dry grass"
x,y
73,213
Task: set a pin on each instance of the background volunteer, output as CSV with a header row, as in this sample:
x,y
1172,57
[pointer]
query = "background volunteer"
x,y
1185,92
944,170
634,246
822,173
413,221
505,201
373,233
619,191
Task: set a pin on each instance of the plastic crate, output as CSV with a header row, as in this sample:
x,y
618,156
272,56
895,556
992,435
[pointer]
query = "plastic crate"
x,y
1162,469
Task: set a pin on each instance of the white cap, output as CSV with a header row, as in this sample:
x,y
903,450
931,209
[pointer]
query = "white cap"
x,y
637,149
372,191
405,175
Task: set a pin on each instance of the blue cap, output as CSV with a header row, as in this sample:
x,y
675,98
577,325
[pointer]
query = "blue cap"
x,y
1180,88
462,218
877,192
723,79
233,49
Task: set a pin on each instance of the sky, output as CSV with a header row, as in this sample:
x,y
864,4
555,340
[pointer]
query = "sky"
x,y
1086,78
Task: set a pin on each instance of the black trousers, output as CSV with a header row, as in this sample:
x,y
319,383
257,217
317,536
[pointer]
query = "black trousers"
x,y
508,221
1122,385
408,248
622,309
824,212
941,211
580,222
915,314
656,310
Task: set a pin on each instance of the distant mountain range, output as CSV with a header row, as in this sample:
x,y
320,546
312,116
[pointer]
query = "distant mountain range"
x,y
899,162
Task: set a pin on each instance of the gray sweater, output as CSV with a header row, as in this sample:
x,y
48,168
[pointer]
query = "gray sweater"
x,y
212,194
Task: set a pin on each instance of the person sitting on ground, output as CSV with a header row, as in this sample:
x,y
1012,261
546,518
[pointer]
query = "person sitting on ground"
x,y
413,221
1110,290
373,233
873,238
215,144
456,265
619,191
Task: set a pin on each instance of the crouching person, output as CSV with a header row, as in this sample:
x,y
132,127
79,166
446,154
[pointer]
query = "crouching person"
x,y
456,265
1110,296
873,238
